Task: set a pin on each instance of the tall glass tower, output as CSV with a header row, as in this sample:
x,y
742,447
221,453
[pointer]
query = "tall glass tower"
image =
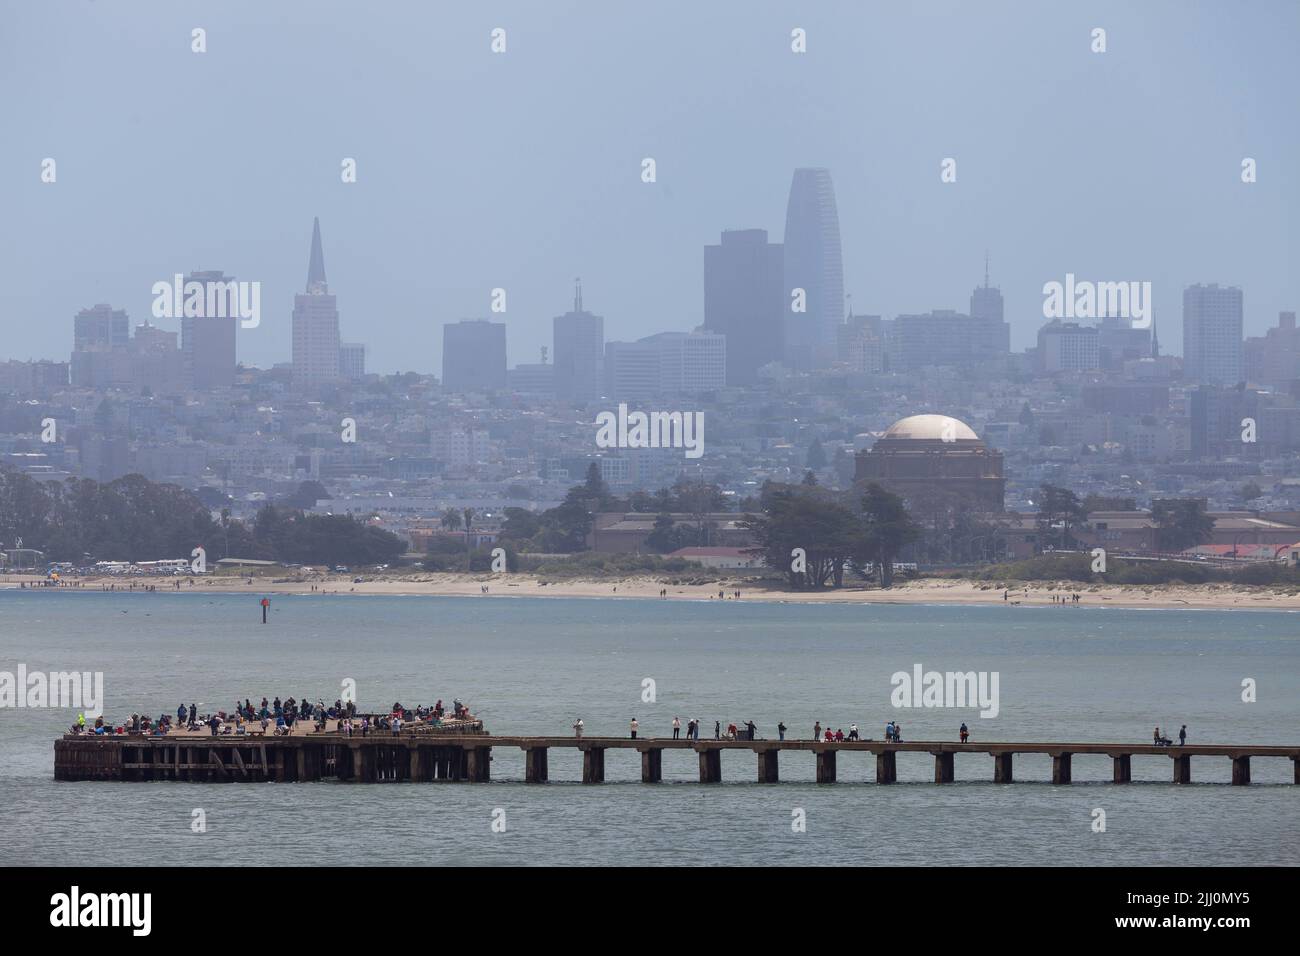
x,y
814,264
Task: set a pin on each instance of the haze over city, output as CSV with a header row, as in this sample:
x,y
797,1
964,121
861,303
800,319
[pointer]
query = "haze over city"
x,y
1122,166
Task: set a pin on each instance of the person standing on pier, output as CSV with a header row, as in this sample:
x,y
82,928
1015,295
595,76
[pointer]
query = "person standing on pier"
x,y
1182,736
853,732
780,729
577,728
817,730
677,728
635,725
965,732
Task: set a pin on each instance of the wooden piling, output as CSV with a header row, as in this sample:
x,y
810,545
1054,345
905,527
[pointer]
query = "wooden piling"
x,y
535,765
768,771
593,765
652,765
1241,771
886,767
826,766
1061,767
1123,768
710,765
1182,768
1002,767
943,766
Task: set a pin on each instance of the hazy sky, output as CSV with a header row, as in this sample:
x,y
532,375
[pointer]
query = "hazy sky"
x,y
522,170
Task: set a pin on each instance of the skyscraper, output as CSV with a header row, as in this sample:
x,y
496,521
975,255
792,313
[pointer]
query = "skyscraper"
x,y
579,341
208,341
473,355
986,300
100,327
1212,335
100,337
813,263
743,300
315,324
352,360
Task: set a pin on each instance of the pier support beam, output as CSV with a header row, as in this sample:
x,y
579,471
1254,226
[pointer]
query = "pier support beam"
x,y
479,767
886,767
826,766
1182,768
1123,768
1240,771
593,765
1295,767
710,765
1061,767
1002,768
535,765
652,765
943,762
767,766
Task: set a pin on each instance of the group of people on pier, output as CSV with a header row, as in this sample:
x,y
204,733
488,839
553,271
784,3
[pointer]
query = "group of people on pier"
x,y
277,716
749,731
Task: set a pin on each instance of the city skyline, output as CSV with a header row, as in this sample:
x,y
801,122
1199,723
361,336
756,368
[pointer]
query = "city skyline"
x,y
423,238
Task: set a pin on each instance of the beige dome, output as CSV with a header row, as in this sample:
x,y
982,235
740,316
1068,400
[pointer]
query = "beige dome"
x,y
931,428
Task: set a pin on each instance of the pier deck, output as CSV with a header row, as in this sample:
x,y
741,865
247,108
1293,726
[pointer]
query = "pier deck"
x,y
468,757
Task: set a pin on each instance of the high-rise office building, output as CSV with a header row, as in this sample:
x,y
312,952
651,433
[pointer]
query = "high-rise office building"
x,y
315,325
945,337
208,342
1273,359
1212,335
473,355
813,263
743,300
986,302
579,341
1068,347
665,365
101,336
101,326
352,361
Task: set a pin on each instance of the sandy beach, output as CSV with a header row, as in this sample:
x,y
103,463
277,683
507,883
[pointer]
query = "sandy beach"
x,y
927,591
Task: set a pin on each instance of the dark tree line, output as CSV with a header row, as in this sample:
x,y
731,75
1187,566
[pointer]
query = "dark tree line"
x,y
810,534
134,519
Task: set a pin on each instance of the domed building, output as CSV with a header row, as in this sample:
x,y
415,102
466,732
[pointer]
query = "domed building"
x,y
924,455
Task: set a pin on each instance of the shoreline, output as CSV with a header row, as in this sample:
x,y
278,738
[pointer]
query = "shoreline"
x,y
1217,596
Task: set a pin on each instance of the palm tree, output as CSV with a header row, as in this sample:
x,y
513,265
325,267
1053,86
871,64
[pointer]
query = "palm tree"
x,y
451,519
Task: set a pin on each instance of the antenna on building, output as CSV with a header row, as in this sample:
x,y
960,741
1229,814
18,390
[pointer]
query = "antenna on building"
x,y
986,268
543,354
577,295
849,299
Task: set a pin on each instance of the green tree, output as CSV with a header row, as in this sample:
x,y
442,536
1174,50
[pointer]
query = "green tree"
x,y
1181,523
1059,510
884,529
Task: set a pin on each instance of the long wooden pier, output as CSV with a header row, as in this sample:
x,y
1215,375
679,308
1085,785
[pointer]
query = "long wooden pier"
x,y
468,757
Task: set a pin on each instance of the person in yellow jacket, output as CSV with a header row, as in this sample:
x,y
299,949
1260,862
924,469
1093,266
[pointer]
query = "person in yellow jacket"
x,y
81,722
